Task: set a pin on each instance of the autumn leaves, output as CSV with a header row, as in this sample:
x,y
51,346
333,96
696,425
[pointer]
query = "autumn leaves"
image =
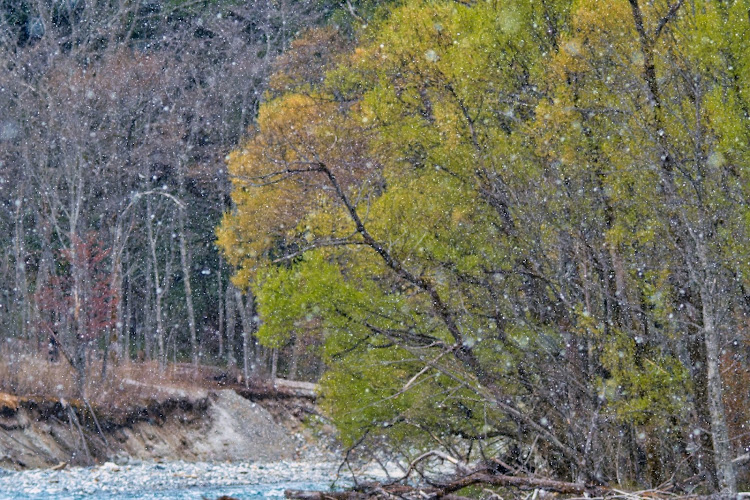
x,y
516,209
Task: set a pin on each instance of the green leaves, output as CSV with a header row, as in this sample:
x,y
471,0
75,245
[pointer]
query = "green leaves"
x,y
498,209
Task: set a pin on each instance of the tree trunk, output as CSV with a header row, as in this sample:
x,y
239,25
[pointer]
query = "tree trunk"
x,y
159,328
22,287
297,349
230,324
719,431
247,326
159,286
709,291
112,336
147,327
274,364
126,340
220,294
79,322
43,276
697,352
185,261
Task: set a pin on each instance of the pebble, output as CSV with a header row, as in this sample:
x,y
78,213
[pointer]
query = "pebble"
x,y
176,479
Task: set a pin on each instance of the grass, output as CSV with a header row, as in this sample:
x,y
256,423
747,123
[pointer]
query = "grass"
x,y
126,384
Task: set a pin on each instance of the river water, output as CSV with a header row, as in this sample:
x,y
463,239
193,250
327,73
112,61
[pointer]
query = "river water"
x,y
169,480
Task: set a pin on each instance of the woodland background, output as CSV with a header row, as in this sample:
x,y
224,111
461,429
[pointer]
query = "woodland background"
x,y
505,232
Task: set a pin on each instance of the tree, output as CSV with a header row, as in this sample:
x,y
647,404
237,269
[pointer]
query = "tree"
x,y
668,134
79,304
509,208
102,102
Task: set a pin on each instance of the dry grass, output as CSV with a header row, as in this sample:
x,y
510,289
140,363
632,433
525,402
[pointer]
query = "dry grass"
x,y
125,386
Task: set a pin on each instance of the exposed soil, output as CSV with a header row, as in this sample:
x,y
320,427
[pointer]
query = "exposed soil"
x,y
202,424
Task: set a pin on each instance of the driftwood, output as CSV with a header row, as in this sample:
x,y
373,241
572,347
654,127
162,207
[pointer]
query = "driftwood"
x,y
525,483
445,491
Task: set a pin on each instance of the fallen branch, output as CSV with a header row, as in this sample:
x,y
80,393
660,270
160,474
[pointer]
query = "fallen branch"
x,y
96,421
319,495
74,419
524,483
433,453
445,491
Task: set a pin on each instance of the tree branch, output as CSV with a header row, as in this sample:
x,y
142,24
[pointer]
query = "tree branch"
x,y
440,307
338,242
671,13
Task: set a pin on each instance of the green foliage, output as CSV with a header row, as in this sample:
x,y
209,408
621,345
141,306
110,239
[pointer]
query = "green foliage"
x,y
645,388
487,211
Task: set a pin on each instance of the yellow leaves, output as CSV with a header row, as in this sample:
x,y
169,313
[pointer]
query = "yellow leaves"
x,y
283,196
325,220
519,182
269,198
510,22
602,43
553,120
459,217
303,66
289,127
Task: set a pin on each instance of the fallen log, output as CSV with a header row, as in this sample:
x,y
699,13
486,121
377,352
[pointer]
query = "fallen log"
x,y
320,495
524,483
445,491
354,495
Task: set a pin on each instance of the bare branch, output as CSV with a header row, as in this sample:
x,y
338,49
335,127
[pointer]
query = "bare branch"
x,y
671,13
323,243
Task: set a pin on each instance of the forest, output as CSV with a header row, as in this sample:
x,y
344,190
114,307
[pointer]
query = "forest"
x,y
507,235
115,118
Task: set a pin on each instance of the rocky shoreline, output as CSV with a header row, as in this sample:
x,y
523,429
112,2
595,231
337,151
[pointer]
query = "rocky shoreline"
x,y
172,479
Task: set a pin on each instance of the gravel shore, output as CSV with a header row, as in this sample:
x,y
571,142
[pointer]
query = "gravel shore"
x,y
178,479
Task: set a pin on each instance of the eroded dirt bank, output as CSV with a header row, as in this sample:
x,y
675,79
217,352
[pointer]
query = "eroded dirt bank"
x,y
204,425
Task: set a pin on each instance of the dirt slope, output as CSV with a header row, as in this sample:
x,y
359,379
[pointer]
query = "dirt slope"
x,y
215,425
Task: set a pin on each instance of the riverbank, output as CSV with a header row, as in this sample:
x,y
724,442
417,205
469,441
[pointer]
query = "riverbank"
x,y
181,424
